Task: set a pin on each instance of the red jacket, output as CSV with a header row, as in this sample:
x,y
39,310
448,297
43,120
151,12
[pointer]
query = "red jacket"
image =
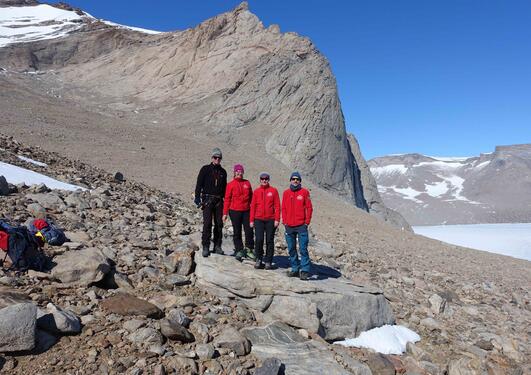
x,y
265,204
238,196
296,207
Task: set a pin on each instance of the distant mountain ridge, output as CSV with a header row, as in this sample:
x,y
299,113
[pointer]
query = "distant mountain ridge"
x,y
489,188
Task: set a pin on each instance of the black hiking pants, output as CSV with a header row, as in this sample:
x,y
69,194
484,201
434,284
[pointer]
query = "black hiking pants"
x,y
266,227
212,212
240,219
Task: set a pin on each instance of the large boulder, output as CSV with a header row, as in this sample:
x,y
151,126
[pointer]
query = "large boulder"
x,y
4,187
17,327
9,297
334,308
81,267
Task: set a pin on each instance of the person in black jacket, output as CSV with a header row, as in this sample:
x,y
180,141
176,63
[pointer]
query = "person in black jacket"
x,y
209,194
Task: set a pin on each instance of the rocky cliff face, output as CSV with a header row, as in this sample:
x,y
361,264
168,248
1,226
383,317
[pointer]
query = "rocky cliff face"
x,y
493,187
231,77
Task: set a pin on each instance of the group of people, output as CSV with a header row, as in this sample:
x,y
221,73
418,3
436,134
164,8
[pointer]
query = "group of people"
x,y
257,212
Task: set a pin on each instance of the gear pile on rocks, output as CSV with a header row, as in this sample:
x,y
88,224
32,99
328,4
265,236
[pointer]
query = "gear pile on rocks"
x,y
128,294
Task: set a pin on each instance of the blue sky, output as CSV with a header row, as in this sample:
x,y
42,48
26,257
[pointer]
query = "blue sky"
x,y
445,78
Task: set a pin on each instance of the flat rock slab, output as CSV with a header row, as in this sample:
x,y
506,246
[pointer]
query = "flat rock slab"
x,y
299,355
17,327
334,308
126,304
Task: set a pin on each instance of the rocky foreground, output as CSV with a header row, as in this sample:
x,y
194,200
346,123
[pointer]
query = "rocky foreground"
x,y
128,294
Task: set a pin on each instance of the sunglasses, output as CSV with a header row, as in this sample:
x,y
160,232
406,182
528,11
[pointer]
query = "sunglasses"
x,y
295,179
264,179
216,157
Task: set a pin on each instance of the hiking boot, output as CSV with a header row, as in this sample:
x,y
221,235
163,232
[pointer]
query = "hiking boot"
x,y
304,275
249,253
239,256
259,265
293,273
206,251
218,250
268,266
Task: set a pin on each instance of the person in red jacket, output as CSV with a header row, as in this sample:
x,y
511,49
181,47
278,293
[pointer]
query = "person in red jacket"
x,y
296,216
237,205
265,217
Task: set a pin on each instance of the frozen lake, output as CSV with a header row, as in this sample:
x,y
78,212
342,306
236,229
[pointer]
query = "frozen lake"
x,y
507,239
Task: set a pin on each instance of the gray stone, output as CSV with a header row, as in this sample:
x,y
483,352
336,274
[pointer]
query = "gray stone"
x,y
17,327
81,267
9,297
181,261
178,316
146,337
175,332
58,321
43,341
36,210
205,351
230,338
299,355
296,311
182,365
50,201
176,280
4,187
133,324
271,366
437,304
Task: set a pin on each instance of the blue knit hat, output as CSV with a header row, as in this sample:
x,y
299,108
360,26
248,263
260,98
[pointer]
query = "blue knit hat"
x,y
295,174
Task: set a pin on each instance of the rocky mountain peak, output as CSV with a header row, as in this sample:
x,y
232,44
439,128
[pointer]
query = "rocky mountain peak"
x,y
247,85
14,3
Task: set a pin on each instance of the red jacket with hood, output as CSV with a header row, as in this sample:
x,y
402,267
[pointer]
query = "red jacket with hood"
x,y
296,207
238,196
265,204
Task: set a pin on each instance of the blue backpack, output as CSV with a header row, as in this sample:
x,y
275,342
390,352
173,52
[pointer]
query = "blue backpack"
x,y
52,235
23,251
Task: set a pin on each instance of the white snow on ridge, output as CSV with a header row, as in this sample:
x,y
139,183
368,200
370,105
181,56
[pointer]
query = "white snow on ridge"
x,y
139,29
406,193
450,158
43,21
506,239
386,339
16,175
440,164
31,23
389,169
31,161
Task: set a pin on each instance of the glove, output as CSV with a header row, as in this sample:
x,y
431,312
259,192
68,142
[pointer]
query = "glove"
x,y
197,201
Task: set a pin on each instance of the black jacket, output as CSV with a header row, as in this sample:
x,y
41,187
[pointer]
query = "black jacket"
x,y
212,180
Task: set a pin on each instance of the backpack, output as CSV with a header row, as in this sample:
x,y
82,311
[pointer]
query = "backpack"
x,y
47,231
22,250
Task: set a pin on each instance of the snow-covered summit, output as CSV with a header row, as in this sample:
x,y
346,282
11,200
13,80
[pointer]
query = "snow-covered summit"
x,y
22,24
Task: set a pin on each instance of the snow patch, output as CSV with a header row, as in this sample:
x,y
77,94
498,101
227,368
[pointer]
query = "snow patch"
x,y
506,239
387,339
389,169
437,189
16,175
440,164
407,193
31,23
31,161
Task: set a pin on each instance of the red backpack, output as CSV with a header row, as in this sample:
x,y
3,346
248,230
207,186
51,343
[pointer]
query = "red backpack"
x,y
4,241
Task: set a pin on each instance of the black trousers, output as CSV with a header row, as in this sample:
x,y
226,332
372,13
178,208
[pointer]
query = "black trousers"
x,y
240,219
266,227
212,211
